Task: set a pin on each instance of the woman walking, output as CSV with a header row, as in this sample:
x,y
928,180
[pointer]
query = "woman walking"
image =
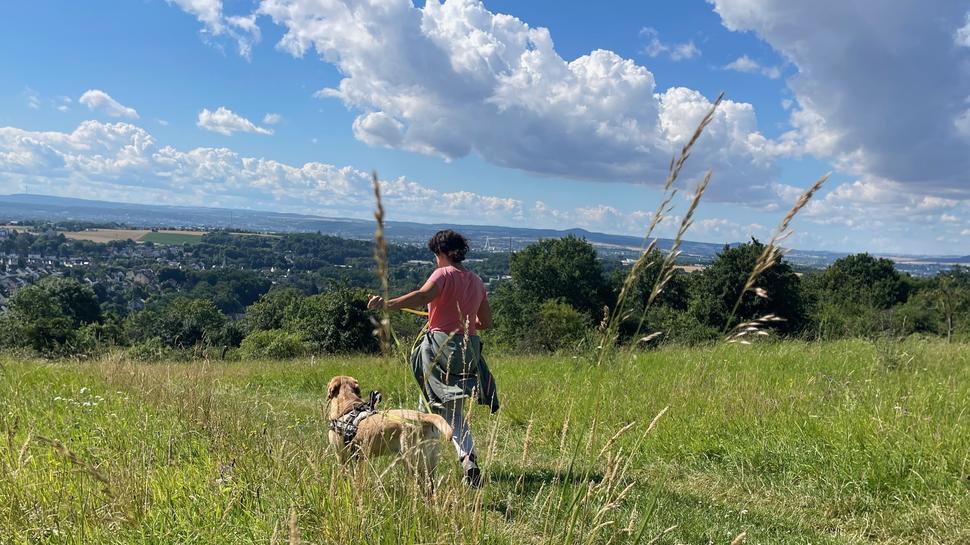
x,y
448,362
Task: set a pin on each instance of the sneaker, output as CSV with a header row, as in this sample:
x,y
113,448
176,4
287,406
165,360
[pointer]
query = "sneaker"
x,y
473,474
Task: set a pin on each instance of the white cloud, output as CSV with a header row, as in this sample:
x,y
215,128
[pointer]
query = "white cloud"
x,y
121,161
242,29
32,98
748,65
226,122
96,99
962,36
677,52
450,79
163,122
881,93
272,119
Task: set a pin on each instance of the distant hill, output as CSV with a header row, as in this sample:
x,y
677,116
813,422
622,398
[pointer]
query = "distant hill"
x,y
45,207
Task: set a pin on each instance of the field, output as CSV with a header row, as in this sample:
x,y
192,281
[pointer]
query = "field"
x,y
172,237
793,443
137,235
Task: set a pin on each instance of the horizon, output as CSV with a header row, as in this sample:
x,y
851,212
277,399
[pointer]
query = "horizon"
x,y
369,220
544,116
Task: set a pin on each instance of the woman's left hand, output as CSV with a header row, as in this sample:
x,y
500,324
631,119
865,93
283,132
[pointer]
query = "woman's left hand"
x,y
375,302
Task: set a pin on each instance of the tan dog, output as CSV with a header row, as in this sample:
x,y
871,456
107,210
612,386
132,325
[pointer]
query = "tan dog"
x,y
413,435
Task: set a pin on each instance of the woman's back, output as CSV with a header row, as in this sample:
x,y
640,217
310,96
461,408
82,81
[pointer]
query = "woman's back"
x,y
460,294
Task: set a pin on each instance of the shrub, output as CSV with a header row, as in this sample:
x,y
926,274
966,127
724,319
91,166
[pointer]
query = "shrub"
x,y
272,344
333,322
558,325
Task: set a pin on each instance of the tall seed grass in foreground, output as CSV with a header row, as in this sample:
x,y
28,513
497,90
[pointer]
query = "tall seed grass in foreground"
x,y
769,257
621,312
383,328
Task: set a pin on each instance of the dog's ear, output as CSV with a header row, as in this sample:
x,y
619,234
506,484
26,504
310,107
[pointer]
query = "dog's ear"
x,y
334,387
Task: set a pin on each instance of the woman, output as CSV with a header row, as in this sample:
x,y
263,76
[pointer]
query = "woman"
x,y
448,362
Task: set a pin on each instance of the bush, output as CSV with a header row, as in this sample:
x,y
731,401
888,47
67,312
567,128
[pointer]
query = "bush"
x,y
558,325
180,322
334,322
677,326
149,350
272,344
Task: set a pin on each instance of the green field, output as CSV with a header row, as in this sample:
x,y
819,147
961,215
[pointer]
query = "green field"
x,y
849,442
162,237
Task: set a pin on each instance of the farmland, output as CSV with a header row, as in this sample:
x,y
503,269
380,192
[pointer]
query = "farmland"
x,y
137,235
843,442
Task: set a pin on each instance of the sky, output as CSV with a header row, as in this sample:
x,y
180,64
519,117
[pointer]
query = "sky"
x,y
552,114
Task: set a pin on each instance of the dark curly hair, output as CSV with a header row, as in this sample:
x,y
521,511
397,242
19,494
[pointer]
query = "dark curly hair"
x,y
451,243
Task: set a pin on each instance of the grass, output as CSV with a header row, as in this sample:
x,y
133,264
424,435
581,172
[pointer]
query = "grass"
x,y
848,442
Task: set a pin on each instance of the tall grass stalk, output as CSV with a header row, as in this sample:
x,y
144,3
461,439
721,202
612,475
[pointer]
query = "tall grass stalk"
x,y
769,258
620,313
383,328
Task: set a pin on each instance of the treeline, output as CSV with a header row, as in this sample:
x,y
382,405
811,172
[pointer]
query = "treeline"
x,y
558,297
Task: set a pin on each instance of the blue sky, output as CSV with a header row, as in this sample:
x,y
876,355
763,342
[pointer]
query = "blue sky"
x,y
543,114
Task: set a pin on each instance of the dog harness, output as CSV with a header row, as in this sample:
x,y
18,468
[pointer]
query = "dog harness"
x,y
347,424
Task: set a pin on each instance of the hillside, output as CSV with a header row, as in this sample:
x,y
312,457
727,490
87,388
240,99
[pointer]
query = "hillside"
x,y
793,443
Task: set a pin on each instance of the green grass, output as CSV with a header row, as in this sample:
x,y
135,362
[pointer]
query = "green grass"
x,y
848,442
162,237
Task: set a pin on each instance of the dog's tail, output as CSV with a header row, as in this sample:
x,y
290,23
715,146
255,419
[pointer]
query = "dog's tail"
x,y
438,423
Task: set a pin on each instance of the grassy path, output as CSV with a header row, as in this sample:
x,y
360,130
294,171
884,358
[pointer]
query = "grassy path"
x,y
848,442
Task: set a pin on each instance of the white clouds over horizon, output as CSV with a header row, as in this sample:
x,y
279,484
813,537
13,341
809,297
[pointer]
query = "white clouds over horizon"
x,y
121,161
98,100
226,122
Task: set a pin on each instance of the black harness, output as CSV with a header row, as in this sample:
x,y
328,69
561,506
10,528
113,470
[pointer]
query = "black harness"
x,y
347,424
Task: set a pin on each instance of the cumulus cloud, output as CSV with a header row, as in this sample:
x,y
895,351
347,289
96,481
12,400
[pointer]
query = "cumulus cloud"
x,y
677,52
746,64
95,99
881,93
450,79
224,121
242,29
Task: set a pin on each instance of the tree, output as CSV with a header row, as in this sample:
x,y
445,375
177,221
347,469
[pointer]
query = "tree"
x,y
78,301
717,288
35,320
333,322
862,279
46,316
675,296
565,269
179,322
271,309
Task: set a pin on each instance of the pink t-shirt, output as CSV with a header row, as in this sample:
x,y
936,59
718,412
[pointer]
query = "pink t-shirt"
x,y
457,289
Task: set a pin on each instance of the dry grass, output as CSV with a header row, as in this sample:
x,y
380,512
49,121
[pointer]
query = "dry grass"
x,y
383,327
106,235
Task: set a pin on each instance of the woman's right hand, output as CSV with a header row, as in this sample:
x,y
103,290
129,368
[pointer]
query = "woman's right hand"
x,y
375,302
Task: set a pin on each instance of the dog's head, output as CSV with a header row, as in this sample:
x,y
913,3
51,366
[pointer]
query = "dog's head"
x,y
342,383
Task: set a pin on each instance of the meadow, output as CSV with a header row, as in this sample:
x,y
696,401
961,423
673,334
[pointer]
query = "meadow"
x,y
784,442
